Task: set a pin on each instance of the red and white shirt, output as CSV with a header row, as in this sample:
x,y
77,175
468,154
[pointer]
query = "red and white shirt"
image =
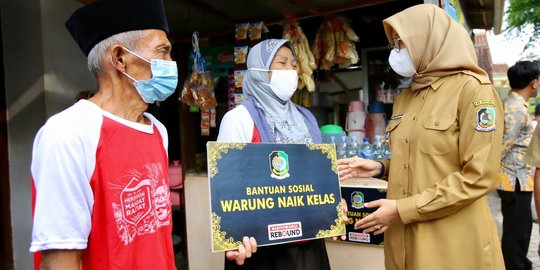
x,y
100,185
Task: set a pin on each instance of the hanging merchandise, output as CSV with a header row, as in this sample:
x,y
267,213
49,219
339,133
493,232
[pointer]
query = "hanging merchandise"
x,y
208,120
241,31
255,30
334,43
246,35
213,117
303,98
231,88
306,62
205,122
238,83
199,87
240,54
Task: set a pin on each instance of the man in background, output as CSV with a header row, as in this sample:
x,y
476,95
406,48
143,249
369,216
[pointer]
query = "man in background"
x,y
516,176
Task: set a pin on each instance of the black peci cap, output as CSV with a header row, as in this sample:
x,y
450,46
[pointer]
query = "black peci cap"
x,y
101,19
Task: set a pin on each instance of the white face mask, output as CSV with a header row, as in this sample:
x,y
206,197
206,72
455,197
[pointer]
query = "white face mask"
x,y
402,63
283,83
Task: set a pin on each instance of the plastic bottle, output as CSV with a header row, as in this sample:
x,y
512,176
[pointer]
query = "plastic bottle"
x,y
341,148
332,140
387,152
352,147
365,150
378,148
328,131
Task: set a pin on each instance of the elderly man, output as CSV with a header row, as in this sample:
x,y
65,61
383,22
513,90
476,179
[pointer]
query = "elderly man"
x,y
99,168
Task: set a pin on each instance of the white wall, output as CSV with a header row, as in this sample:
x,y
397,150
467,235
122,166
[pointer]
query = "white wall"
x,y
65,71
44,69
23,64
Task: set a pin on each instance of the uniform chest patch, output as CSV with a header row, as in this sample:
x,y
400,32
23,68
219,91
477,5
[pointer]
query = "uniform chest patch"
x,y
485,119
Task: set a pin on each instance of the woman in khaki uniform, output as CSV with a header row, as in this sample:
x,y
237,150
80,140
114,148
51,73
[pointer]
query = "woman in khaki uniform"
x,y
445,135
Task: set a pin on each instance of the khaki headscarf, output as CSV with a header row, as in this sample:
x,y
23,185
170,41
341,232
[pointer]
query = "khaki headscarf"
x,y
438,45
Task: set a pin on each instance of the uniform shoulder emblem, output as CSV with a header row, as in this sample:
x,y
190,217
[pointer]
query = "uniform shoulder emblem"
x,y
485,119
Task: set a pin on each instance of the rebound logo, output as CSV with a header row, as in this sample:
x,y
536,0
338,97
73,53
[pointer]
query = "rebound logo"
x,y
284,230
279,165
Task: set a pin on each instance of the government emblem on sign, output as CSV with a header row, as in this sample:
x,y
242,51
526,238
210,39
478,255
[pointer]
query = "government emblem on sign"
x,y
357,199
279,165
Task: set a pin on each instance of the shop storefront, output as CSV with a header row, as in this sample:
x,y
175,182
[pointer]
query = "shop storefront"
x,y
368,79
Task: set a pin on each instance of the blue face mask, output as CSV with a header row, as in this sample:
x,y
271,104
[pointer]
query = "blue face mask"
x,y
163,82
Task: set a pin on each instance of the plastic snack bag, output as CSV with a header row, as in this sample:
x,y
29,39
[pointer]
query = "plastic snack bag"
x,y
205,91
187,94
256,29
240,54
199,87
335,43
239,78
241,31
306,61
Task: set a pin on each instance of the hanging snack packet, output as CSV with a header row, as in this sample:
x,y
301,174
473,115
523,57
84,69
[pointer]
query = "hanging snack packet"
x,y
241,31
240,54
199,87
187,94
205,93
255,30
239,78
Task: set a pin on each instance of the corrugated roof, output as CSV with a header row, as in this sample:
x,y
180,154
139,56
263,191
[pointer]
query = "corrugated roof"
x,y
484,14
214,18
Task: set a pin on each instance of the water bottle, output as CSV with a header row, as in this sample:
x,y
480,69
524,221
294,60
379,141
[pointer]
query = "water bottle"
x,y
352,147
378,148
365,149
387,152
341,148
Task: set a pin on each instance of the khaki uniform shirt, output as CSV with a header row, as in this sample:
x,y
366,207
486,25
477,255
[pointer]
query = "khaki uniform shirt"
x,y
517,135
446,146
